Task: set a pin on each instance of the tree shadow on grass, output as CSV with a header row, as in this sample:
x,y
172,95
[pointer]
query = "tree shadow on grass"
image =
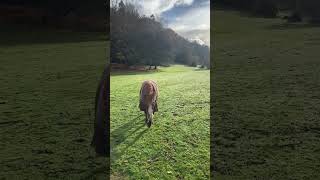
x,y
132,72
286,26
127,134
14,35
102,171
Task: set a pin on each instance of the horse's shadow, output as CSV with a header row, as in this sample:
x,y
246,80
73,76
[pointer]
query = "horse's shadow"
x,y
127,134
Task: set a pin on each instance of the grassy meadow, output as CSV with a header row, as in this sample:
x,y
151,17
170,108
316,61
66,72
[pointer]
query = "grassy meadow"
x,y
265,98
48,84
177,144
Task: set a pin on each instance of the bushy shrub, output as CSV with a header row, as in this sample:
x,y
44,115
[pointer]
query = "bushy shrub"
x,y
295,17
311,9
265,8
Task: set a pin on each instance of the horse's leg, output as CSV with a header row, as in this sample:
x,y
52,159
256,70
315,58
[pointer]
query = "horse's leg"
x,y
146,117
141,105
149,124
148,121
155,109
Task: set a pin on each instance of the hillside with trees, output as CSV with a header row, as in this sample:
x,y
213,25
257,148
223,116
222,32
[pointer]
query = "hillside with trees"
x,y
140,40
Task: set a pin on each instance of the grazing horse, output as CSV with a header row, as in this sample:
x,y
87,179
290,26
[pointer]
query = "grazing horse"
x,y
148,100
102,124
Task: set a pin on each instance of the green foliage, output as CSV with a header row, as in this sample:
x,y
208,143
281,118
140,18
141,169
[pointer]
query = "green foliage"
x,y
270,8
120,57
311,8
295,17
266,8
177,144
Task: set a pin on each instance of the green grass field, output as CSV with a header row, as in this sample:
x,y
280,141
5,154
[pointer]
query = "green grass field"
x,y
266,98
48,84
177,144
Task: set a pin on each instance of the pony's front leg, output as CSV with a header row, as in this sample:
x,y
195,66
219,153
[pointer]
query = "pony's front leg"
x,y
146,117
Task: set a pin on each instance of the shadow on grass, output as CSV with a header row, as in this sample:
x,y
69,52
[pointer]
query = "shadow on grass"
x,y
126,73
173,68
102,171
127,134
241,12
286,26
22,35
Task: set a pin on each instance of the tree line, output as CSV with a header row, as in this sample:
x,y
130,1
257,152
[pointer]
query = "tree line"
x,y
309,9
140,40
75,14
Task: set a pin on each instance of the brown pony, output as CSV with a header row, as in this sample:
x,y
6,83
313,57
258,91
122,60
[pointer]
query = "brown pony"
x,y
148,100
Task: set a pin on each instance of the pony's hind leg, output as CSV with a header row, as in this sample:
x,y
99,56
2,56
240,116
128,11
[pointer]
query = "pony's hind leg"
x,y
141,106
155,107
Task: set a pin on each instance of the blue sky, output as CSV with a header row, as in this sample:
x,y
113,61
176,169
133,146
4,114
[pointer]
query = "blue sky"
x,y
189,18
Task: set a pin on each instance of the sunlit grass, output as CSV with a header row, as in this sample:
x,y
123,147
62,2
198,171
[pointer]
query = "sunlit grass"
x,y
177,144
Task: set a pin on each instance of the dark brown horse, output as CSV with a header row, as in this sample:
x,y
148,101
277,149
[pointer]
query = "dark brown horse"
x,y
102,124
148,100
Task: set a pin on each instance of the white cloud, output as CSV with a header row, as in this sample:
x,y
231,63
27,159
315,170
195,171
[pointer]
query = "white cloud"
x,y
157,7
203,35
194,24
197,40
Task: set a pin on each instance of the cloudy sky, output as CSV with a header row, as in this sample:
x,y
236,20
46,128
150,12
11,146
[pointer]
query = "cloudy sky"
x,y
189,18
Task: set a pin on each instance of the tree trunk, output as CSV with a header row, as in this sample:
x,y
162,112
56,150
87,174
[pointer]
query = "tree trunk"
x,y
155,67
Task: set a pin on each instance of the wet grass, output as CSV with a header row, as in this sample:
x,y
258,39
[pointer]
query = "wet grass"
x,y
177,144
265,99
47,104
